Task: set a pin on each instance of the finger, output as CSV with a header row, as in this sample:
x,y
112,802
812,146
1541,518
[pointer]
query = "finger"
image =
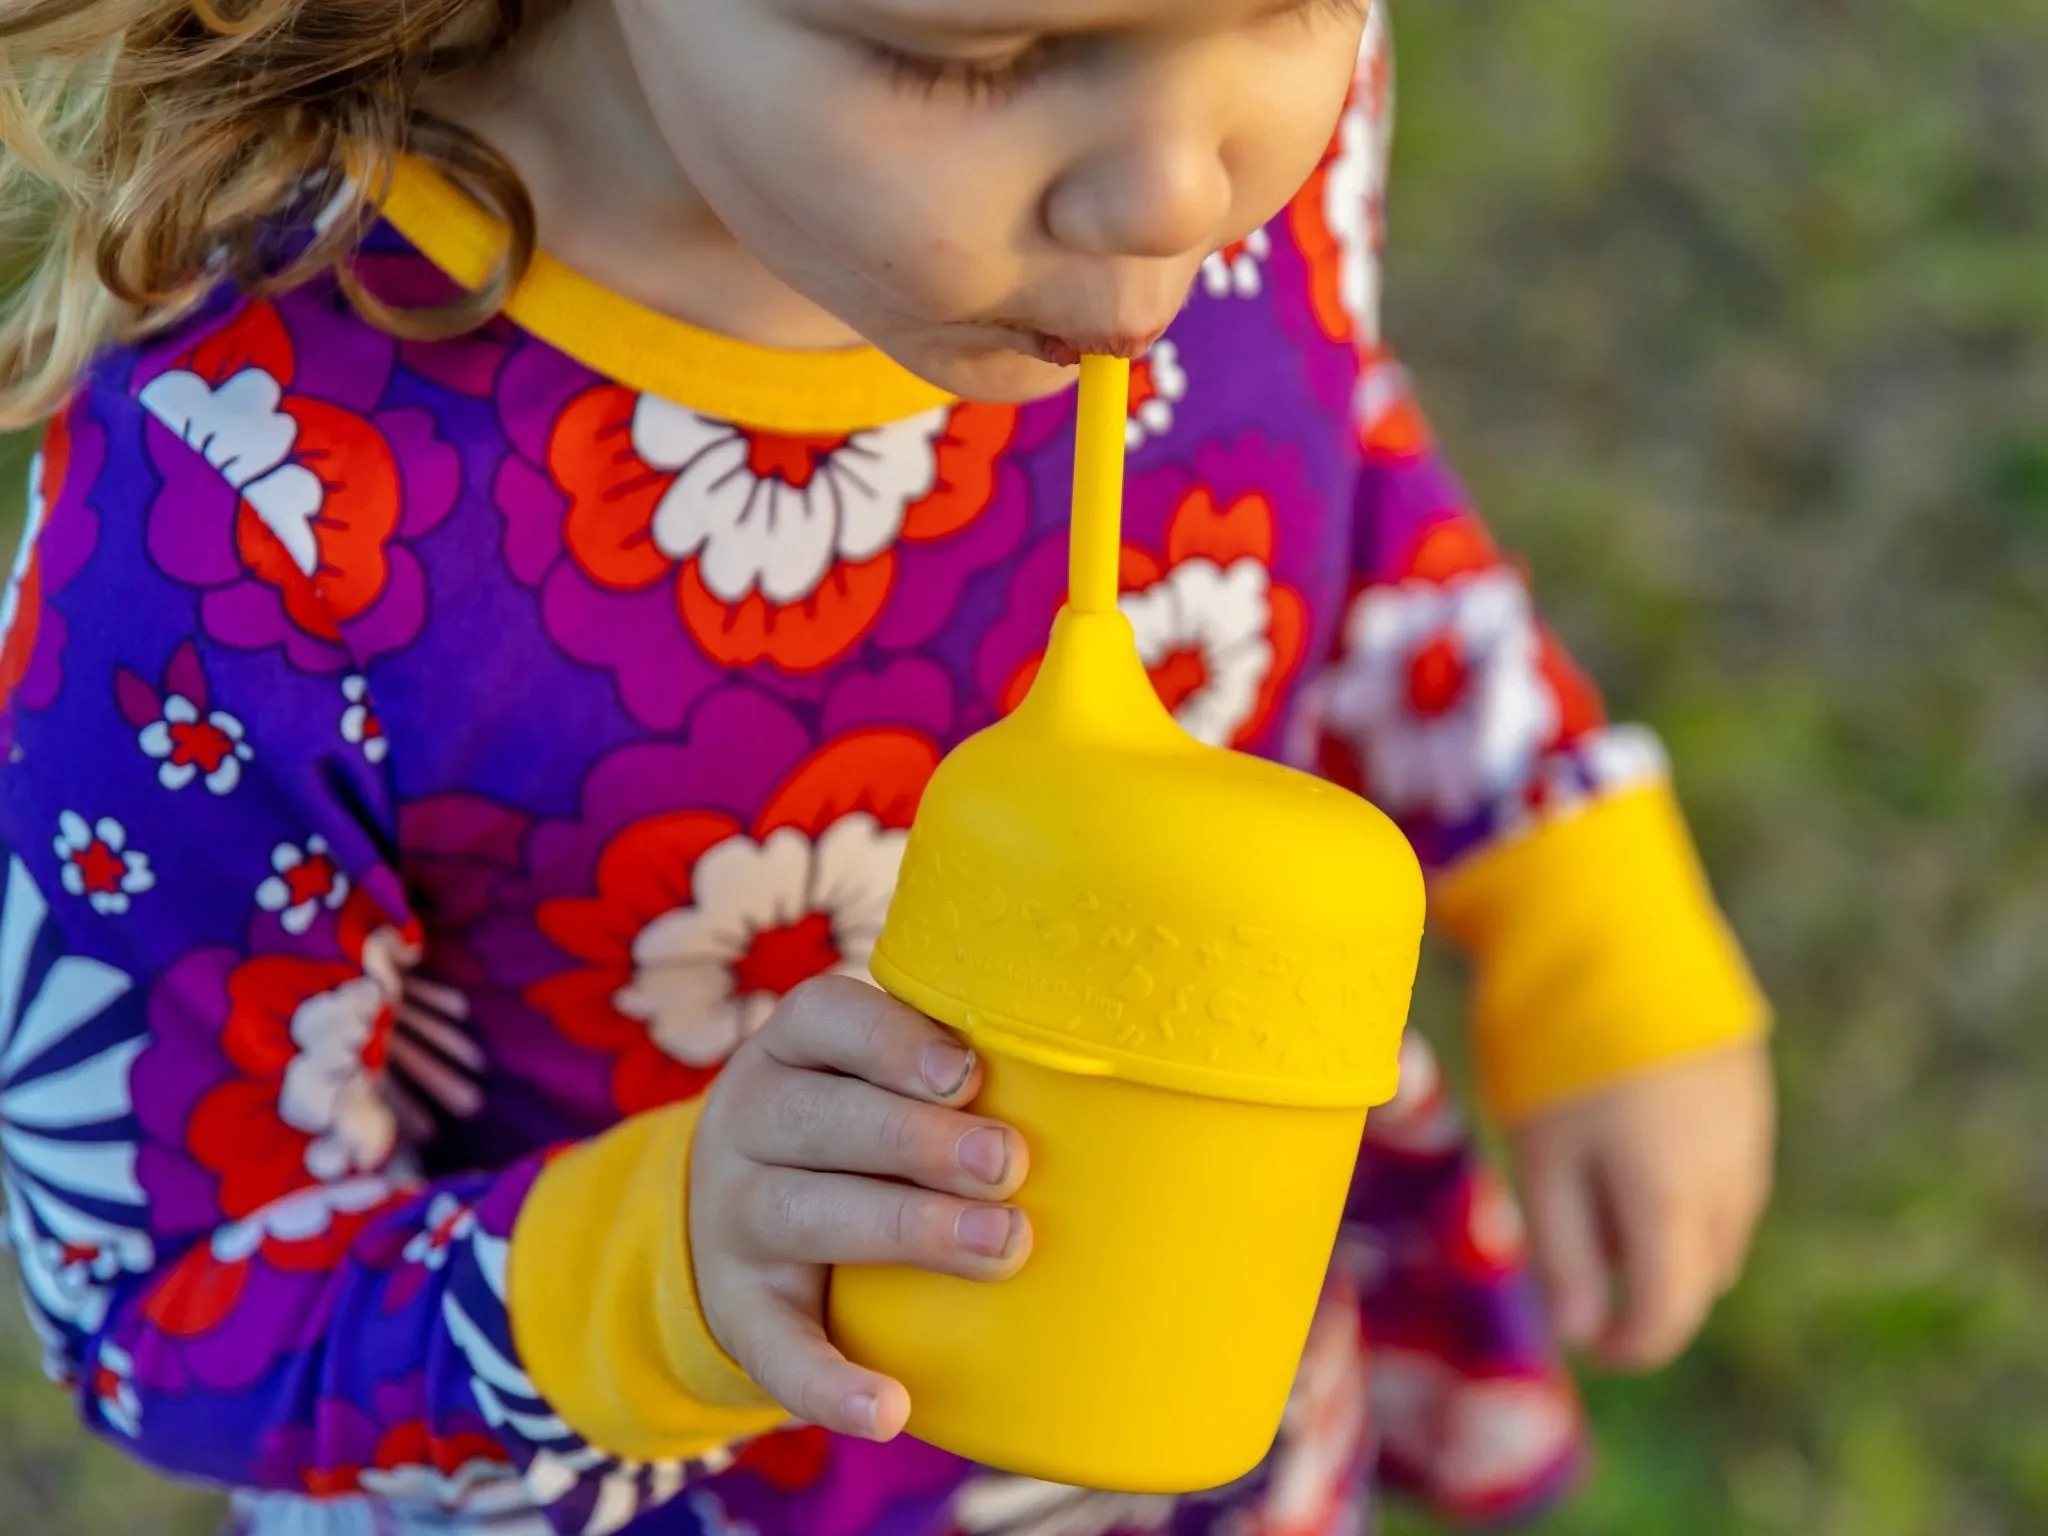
x,y
1564,1232
784,1351
843,1125
790,1216
837,1024
1667,1276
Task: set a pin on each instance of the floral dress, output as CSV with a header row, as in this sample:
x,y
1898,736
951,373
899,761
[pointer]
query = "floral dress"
x,y
422,758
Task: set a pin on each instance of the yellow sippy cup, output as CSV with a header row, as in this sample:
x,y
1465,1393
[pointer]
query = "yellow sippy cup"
x,y
1187,971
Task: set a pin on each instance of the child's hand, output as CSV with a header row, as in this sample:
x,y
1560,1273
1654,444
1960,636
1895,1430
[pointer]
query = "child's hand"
x,y
1642,1198
834,1136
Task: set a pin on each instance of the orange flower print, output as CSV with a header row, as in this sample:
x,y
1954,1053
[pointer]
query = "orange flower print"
x,y
698,925
289,511
1221,638
1338,217
780,549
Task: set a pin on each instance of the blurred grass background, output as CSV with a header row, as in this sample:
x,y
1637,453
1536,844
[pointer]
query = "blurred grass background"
x,y
1736,317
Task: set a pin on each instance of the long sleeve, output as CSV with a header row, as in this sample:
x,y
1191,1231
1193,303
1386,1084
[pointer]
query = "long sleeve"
x,y
1558,857
220,1059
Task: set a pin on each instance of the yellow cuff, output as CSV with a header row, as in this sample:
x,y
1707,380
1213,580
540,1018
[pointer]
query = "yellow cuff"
x,y
604,1300
1598,953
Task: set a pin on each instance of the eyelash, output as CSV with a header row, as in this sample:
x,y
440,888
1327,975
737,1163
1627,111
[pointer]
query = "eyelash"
x,y
980,83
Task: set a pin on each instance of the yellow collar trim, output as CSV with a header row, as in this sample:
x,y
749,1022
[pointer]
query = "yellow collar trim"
x,y
801,393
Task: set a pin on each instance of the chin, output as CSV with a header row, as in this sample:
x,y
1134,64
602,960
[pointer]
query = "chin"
x,y
993,374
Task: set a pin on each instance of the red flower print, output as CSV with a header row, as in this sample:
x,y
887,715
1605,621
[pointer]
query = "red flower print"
x,y
776,548
307,881
360,727
790,1462
308,1040
465,1473
1439,701
179,728
1337,219
300,529
698,925
113,1390
1220,637
1486,1238
99,865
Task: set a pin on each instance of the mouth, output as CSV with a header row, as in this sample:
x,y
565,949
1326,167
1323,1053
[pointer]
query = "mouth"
x,y
1067,351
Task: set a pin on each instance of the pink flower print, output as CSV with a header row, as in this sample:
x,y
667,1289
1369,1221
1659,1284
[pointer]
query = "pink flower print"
x,y
306,881
1237,271
449,1222
1158,384
99,865
360,727
180,729
113,1390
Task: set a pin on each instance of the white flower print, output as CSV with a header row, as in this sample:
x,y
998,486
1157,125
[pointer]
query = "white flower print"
x,y
767,915
303,1215
1203,634
1237,271
99,865
996,1505
113,1389
1326,1429
360,727
1158,383
1354,192
76,1214
1500,1437
478,1489
1422,1118
1440,689
773,514
448,1222
306,880
242,432
190,744
333,1088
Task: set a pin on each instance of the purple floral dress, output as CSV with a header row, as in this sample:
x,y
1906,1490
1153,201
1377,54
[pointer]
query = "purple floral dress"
x,y
419,757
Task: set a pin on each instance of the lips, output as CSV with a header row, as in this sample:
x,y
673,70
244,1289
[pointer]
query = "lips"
x,y
1067,351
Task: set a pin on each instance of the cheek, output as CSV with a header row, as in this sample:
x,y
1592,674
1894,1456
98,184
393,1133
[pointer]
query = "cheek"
x,y
1285,128
934,231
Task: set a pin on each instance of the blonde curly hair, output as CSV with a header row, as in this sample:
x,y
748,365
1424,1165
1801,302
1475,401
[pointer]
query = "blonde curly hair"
x,y
147,148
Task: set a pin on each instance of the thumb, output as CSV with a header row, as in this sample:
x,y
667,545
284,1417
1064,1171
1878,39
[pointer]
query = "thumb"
x,y
785,1352
1564,1233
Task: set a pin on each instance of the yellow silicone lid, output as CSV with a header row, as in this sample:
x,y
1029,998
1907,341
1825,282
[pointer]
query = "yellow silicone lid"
x,y
1089,887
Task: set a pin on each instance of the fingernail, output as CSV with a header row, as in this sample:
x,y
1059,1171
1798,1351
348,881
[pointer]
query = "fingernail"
x,y
946,1068
984,1153
864,1414
987,1230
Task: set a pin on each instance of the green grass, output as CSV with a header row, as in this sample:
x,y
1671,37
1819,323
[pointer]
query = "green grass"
x,y
1734,316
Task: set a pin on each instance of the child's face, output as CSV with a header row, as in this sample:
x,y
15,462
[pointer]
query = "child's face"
x,y
985,188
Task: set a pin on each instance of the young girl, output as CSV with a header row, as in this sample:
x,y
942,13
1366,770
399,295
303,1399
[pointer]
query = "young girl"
x,y
534,489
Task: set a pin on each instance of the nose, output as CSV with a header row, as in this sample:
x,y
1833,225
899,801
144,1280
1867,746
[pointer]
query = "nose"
x,y
1159,191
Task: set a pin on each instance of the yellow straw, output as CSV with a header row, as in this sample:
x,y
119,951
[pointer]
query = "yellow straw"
x,y
1095,543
